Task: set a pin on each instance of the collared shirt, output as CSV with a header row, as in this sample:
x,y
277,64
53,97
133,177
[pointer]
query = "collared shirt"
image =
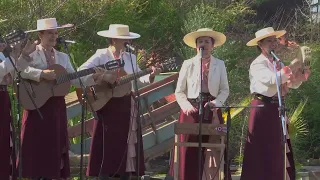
x,y
188,84
263,77
39,63
102,56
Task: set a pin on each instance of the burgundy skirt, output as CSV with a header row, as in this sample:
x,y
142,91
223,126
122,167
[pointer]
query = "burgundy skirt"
x,y
44,142
188,161
5,150
263,153
108,152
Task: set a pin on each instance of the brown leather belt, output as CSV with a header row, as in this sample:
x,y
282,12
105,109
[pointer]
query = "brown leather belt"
x,y
3,88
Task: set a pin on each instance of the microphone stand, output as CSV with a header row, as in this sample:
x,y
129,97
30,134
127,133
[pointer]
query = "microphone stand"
x,y
137,99
200,119
19,79
226,153
85,100
282,111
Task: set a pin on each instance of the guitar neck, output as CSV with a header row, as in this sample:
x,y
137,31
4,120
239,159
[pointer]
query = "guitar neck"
x,y
70,76
131,77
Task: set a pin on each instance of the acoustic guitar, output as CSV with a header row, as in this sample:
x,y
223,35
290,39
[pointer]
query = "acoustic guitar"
x,y
302,53
305,55
12,39
100,94
45,89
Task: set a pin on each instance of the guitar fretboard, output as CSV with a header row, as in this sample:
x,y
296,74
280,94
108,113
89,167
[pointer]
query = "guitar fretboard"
x,y
68,77
131,77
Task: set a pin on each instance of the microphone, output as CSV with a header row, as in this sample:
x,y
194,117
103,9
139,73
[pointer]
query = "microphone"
x,y
128,46
61,41
201,51
275,57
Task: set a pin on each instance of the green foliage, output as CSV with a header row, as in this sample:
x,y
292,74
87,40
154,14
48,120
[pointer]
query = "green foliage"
x,y
298,130
218,19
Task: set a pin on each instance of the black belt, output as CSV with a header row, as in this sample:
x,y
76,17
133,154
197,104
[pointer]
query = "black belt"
x,y
205,96
266,99
3,88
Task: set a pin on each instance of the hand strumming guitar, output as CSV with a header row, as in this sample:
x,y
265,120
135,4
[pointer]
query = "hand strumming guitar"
x,y
48,74
103,75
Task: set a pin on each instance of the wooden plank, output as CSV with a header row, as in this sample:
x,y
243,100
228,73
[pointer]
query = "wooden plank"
x,y
154,85
71,98
161,113
73,110
165,132
159,92
193,128
158,149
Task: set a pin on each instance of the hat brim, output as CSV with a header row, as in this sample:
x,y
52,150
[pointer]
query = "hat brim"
x,y
254,42
58,27
190,39
108,34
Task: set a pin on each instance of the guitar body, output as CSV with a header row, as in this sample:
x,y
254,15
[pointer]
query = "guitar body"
x,y
99,95
43,90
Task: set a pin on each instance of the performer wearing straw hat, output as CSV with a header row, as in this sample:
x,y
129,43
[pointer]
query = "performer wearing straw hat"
x,y
7,152
114,142
44,142
263,154
215,88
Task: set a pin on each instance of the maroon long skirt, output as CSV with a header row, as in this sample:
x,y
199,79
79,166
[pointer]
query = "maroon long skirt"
x,y
188,162
5,150
44,142
108,153
263,154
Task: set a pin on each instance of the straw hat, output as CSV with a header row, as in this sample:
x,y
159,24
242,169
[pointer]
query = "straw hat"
x,y
190,39
47,24
264,33
118,31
